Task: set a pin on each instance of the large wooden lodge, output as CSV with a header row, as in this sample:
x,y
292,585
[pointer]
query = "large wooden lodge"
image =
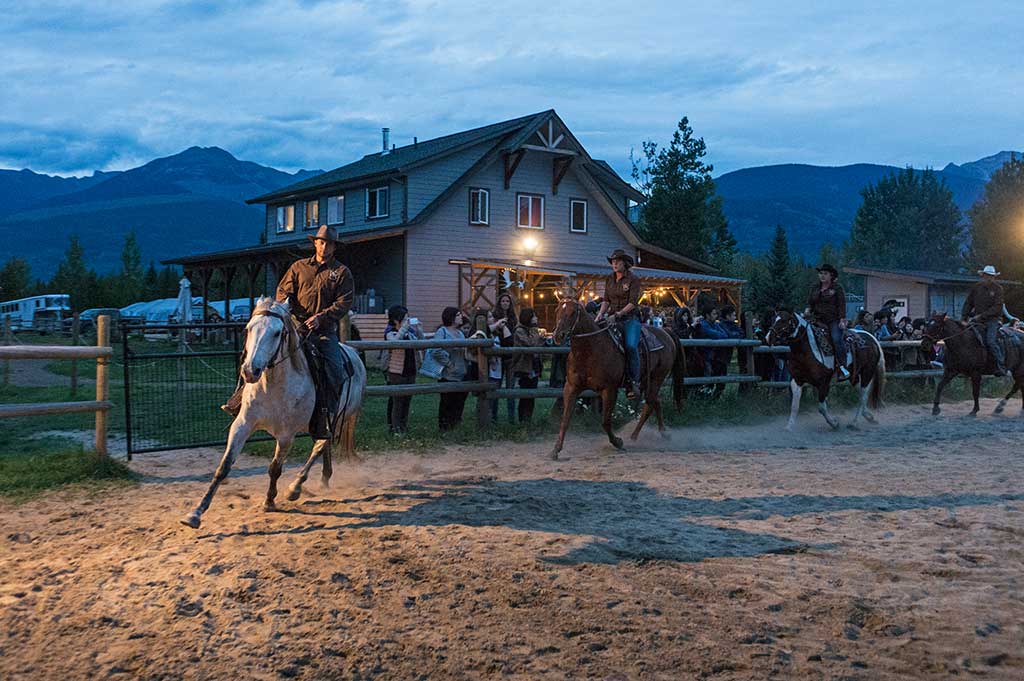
x,y
450,221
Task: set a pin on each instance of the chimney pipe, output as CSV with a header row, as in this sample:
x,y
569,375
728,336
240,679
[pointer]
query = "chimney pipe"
x,y
385,134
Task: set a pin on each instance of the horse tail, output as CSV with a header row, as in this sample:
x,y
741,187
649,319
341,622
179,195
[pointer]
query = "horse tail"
x,y
678,371
877,385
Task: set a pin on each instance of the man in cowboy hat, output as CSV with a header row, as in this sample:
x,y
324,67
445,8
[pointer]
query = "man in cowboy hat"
x,y
984,306
827,305
320,291
622,291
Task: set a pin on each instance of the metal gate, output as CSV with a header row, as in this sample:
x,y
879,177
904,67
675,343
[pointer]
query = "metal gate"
x,y
176,376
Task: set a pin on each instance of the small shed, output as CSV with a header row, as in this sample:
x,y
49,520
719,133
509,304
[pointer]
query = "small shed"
x,y
918,293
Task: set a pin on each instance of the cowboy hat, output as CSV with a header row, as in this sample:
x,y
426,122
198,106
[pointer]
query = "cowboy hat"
x,y
326,233
619,254
989,270
830,269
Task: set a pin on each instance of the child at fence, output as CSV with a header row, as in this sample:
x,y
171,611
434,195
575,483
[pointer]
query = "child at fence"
x,y
527,368
400,368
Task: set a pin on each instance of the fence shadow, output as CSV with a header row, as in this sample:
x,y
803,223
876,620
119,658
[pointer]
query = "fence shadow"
x,y
622,521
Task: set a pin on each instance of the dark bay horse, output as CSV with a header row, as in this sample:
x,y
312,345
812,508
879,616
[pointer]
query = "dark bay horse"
x,y
595,363
967,356
867,373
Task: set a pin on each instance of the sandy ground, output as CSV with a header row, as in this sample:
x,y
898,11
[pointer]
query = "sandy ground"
x,y
747,553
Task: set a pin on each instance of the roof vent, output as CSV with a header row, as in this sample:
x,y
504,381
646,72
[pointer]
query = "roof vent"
x,y
385,134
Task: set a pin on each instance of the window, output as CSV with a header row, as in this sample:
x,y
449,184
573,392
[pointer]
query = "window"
x,y
531,211
285,219
479,206
578,216
312,220
336,210
377,202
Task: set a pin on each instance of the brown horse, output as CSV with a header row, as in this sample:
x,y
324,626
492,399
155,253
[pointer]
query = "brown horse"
x,y
595,363
966,356
867,373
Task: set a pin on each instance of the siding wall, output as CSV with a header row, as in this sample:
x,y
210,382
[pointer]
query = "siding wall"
x,y
355,213
433,283
878,290
428,182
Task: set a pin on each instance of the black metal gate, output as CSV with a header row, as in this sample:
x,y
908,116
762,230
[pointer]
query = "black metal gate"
x,y
176,376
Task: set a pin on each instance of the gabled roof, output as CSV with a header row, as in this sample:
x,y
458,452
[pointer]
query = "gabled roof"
x,y
401,159
921,276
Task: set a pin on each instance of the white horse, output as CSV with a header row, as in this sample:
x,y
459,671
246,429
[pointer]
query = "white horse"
x,y
279,397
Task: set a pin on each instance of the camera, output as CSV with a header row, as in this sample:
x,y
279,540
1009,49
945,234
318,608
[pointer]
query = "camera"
x,y
414,321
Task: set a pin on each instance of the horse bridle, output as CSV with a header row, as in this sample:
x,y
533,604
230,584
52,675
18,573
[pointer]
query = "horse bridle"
x,y
288,330
576,320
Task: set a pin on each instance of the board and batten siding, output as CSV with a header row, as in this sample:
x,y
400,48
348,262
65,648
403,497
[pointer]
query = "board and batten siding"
x,y
428,182
433,283
355,212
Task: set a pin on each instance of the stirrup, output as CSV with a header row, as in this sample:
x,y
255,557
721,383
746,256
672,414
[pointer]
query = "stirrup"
x,y
842,373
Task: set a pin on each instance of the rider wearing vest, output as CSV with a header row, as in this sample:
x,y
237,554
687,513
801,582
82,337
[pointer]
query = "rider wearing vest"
x,y
984,306
827,303
622,291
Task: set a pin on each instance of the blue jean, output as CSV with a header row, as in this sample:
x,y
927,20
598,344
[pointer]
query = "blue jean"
x,y
631,336
992,341
838,342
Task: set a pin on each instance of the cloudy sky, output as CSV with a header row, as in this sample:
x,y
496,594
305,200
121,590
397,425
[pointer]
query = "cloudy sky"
x,y
110,84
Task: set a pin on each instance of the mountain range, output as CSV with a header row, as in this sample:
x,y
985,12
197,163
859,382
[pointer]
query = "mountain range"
x,y
194,201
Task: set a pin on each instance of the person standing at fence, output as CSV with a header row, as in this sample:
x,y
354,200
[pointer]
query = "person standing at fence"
x,y
504,328
401,365
527,368
453,361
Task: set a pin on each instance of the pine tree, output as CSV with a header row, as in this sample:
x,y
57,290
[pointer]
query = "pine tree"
x,y
131,271
777,286
997,222
15,279
151,283
72,276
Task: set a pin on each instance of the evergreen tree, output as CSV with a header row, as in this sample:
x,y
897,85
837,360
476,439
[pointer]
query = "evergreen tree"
x,y
132,275
997,222
683,213
908,221
72,276
776,284
15,279
168,282
151,283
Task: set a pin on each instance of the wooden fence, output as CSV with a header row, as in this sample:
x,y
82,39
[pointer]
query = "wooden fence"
x,y
102,353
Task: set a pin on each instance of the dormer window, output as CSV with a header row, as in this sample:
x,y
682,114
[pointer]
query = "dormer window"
x,y
285,219
377,202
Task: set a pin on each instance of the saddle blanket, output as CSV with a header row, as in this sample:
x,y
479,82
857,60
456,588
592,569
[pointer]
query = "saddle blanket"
x,y
821,345
648,340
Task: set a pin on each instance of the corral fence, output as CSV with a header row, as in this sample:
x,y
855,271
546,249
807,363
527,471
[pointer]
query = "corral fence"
x,y
102,353
176,376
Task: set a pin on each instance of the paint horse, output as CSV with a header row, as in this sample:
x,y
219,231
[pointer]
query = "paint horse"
x,y
279,397
966,355
809,364
596,363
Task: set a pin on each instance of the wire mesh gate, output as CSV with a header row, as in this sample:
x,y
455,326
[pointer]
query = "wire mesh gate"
x,y
176,376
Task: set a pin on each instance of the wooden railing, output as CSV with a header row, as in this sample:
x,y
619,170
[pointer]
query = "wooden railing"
x,y
100,406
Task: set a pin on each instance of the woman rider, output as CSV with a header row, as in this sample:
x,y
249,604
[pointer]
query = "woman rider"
x,y
827,303
622,291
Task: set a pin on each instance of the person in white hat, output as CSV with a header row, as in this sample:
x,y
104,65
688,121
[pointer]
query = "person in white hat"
x,y
984,306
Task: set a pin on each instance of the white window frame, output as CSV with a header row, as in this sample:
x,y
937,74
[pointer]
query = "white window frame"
x,y
339,201
387,200
474,198
523,195
305,215
586,216
283,211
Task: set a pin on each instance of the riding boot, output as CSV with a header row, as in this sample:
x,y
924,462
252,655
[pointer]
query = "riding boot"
x,y
234,403
842,373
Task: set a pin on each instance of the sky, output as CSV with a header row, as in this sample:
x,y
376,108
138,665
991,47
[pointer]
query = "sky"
x,y
109,84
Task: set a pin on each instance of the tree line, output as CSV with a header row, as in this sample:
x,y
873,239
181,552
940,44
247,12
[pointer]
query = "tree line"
x,y
906,221
88,289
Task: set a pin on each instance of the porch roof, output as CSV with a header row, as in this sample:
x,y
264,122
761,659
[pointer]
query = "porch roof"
x,y
591,270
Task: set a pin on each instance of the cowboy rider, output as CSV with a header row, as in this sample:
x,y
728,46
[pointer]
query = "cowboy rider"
x,y
827,305
320,291
622,292
984,306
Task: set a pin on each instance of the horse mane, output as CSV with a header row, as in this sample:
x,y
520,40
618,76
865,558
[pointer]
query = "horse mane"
x,y
269,304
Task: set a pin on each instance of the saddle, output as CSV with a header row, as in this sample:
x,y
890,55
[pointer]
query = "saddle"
x,y
649,343
824,352
329,382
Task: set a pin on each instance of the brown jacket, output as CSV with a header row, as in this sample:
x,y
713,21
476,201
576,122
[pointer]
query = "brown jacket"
x,y
984,302
620,292
312,288
529,338
829,305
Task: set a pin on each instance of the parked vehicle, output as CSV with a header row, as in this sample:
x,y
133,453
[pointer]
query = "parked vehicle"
x,y
39,313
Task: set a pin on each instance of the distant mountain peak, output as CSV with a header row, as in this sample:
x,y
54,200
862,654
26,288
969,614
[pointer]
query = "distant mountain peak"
x,y
983,168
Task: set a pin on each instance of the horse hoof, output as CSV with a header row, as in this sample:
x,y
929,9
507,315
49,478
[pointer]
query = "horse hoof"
x,y
294,493
870,418
853,426
999,408
936,411
554,455
269,506
634,437
972,414
617,443
835,426
192,520
325,483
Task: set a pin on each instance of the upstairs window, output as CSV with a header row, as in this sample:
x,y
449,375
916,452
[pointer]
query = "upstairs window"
x,y
531,211
377,202
285,219
312,220
336,210
578,216
479,207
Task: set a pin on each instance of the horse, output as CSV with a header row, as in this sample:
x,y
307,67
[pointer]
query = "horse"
x,y
595,363
967,356
867,373
279,397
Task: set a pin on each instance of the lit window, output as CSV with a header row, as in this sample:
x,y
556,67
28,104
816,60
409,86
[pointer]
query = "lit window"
x,y
531,211
377,202
336,210
312,219
285,219
578,216
479,207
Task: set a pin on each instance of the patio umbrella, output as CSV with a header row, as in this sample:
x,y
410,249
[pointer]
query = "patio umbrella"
x,y
184,310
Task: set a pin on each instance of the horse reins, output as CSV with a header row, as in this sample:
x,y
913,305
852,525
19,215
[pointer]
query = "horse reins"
x,y
288,330
576,320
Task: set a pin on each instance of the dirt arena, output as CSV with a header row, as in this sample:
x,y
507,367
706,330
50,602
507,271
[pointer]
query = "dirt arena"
x,y
890,552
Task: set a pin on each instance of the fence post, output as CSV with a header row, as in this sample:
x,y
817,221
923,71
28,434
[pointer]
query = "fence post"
x,y
745,356
74,362
6,340
102,392
125,360
483,404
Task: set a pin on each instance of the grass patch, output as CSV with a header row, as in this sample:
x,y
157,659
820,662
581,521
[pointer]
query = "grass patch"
x,y
31,466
